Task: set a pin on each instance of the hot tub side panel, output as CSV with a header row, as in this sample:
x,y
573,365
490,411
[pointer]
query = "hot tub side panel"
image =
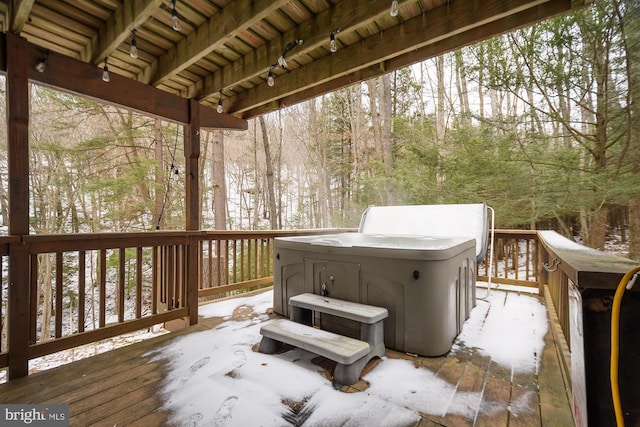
x,y
428,301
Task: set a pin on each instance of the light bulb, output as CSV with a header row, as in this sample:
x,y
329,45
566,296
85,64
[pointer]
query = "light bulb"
x,y
219,108
333,46
105,72
176,20
271,80
282,61
394,8
42,65
134,50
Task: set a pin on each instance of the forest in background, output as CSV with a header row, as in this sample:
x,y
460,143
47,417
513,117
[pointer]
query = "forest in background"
x,y
541,124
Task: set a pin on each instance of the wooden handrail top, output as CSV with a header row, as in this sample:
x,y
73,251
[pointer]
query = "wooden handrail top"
x,y
586,267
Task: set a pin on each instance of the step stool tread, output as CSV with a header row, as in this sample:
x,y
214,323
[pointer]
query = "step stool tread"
x,y
350,310
336,347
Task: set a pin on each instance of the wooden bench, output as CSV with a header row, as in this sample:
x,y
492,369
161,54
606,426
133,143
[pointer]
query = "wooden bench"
x,y
351,354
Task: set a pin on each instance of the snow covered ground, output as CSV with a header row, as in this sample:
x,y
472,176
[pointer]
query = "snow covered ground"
x,y
216,377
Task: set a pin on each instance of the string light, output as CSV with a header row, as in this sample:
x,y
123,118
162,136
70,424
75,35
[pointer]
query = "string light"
x,y
42,65
133,52
174,17
105,72
219,108
271,80
282,62
333,46
394,8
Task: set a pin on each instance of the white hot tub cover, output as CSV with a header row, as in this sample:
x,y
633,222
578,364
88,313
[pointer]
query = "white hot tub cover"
x,y
440,221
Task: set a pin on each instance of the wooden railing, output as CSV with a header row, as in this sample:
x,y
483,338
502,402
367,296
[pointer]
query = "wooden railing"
x,y
570,272
86,288
514,260
566,263
232,261
71,290
101,285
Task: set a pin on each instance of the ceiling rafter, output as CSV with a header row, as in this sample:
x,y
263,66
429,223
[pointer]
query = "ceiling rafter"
x,y
237,17
315,33
384,46
131,14
20,10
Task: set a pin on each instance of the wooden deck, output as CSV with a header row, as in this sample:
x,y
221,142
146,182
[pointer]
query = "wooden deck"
x,y
125,387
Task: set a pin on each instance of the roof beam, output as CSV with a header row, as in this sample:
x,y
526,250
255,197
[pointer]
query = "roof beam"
x,y
72,75
131,14
449,20
20,10
236,17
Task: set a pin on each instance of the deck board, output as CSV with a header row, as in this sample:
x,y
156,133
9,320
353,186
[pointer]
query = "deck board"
x,y
124,387
494,408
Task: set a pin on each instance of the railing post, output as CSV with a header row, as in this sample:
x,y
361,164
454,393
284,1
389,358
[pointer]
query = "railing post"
x,y
542,273
18,310
192,279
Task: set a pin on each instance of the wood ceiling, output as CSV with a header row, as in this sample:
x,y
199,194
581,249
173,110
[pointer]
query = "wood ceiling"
x,y
225,49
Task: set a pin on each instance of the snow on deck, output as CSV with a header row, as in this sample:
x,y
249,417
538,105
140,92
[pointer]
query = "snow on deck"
x,y
216,377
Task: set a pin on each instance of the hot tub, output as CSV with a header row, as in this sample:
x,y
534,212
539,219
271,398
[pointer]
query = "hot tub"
x,y
418,262
427,284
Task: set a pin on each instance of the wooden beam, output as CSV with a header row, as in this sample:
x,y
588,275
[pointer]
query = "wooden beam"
x,y
18,156
340,69
84,79
131,14
237,17
20,10
211,119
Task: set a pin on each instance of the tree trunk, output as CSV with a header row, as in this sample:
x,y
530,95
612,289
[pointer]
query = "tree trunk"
x,y
218,181
271,195
461,86
387,142
160,195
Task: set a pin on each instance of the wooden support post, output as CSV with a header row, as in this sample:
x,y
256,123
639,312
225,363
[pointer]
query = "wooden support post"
x,y
192,157
18,153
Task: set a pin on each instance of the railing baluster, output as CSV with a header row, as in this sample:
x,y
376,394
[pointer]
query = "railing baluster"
x,y
59,295
139,262
81,289
121,283
235,260
219,261
155,279
102,267
35,300
242,260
